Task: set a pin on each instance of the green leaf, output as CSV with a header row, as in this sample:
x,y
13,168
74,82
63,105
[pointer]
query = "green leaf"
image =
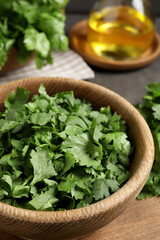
x,y
75,120
4,159
72,130
15,100
34,40
24,8
69,162
55,41
66,185
43,93
3,193
115,122
6,181
64,43
59,3
95,131
84,202
17,144
156,109
154,89
82,149
120,142
113,184
6,125
42,164
50,25
45,201
100,189
100,117
20,191
40,118
123,177
115,170
3,55
76,193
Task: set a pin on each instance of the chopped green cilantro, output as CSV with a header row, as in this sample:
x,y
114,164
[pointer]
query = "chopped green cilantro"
x,y
56,152
150,110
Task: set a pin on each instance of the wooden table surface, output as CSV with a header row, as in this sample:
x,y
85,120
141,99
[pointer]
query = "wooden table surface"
x,y
140,221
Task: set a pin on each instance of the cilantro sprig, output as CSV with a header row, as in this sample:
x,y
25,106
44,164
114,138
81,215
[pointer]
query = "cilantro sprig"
x,y
57,153
150,109
32,26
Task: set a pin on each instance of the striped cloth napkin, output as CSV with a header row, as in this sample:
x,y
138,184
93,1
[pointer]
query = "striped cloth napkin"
x,y
66,64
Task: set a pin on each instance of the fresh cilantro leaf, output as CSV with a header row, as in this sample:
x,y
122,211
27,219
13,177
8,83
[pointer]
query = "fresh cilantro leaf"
x,y
40,118
100,117
66,185
15,100
6,181
3,194
24,8
156,109
45,201
153,89
100,189
76,193
69,162
96,131
20,191
84,202
42,164
6,125
120,142
34,40
75,120
114,122
72,130
84,151
113,185
17,144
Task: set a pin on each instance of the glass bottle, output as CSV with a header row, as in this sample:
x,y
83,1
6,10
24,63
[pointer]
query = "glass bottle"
x,y
121,29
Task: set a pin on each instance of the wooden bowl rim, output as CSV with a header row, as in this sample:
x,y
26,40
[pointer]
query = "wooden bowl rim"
x,y
104,205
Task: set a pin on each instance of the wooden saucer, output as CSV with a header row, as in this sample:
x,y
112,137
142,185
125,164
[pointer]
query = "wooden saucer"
x,y
78,41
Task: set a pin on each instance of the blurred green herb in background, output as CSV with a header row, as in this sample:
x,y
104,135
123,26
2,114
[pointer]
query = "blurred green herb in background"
x,y
32,26
150,110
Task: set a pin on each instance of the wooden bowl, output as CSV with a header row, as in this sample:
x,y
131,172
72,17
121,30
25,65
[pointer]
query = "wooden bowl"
x,y
73,224
12,62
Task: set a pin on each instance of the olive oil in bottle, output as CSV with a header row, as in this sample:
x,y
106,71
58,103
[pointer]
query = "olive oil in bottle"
x,y
120,32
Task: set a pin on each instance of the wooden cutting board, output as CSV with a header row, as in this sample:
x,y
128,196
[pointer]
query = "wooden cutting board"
x,y
141,220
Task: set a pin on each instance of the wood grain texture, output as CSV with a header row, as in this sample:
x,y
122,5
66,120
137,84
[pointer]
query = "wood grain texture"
x,y
78,41
72,224
141,220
